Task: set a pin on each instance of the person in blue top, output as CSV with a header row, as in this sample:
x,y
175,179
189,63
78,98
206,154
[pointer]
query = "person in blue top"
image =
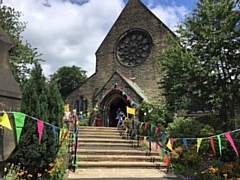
x,y
120,116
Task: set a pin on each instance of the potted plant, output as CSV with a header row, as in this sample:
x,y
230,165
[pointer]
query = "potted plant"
x,y
98,119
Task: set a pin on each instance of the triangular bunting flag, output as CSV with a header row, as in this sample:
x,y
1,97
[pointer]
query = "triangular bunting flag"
x,y
145,139
19,119
4,121
151,127
156,130
185,143
60,135
167,161
163,137
199,141
163,153
145,126
219,144
169,145
54,133
228,136
172,141
156,147
40,130
212,144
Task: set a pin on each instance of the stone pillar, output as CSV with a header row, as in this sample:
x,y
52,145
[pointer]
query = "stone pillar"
x,y
10,100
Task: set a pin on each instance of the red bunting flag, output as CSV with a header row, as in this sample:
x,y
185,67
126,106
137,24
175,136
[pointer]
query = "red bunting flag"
x,y
167,161
40,130
140,138
65,135
145,126
128,98
212,144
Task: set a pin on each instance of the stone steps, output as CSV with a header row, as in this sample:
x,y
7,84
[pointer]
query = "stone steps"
x,y
121,164
124,157
106,144
130,152
103,147
93,135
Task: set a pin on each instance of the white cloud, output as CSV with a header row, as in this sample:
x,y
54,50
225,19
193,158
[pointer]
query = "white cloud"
x,y
170,15
69,34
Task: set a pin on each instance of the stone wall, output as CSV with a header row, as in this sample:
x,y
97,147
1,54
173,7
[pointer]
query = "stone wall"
x,y
147,74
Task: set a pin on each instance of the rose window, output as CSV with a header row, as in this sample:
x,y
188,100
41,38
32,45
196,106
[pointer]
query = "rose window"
x,y
133,47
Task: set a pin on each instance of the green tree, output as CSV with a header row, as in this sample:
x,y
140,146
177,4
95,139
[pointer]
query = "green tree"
x,y
36,100
202,63
68,79
154,113
22,55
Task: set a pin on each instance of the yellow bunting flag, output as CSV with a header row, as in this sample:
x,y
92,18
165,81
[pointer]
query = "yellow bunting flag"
x,y
81,112
169,145
130,110
66,108
126,130
60,135
4,121
199,141
145,139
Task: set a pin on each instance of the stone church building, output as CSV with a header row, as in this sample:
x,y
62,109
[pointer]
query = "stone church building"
x,y
127,72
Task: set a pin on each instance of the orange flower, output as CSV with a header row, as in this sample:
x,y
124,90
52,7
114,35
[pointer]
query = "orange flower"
x,y
59,163
29,175
39,174
225,175
51,164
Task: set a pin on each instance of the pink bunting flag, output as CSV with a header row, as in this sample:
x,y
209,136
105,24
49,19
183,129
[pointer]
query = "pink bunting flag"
x,y
40,130
156,147
172,141
120,89
132,133
128,98
228,136
156,130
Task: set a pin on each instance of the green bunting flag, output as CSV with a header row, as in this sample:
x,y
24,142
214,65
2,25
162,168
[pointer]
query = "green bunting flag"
x,y
19,119
220,144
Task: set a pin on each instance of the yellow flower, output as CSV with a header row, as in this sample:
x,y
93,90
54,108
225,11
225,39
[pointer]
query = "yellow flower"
x,y
29,175
39,174
5,169
225,175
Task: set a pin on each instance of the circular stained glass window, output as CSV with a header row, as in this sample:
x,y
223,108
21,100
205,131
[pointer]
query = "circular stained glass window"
x,y
133,47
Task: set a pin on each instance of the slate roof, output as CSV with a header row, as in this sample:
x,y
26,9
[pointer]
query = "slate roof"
x,y
135,87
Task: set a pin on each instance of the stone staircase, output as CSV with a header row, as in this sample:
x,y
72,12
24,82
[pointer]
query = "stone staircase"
x,y
104,148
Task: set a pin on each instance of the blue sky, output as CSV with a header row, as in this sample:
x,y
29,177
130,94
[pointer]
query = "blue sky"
x,y
68,32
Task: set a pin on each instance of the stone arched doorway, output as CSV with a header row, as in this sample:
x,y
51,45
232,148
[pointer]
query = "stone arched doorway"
x,y
109,105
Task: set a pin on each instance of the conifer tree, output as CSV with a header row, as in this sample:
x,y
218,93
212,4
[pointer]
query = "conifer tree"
x,y
56,113
29,153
